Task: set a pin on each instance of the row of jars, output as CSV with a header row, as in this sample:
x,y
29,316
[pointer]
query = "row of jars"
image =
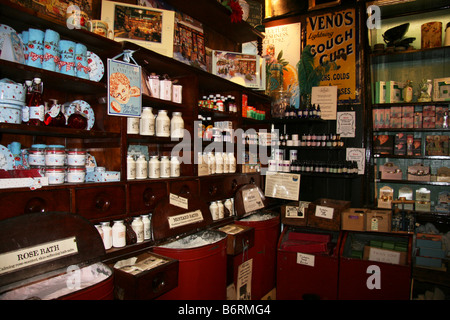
x,y
57,163
161,125
217,208
218,162
154,168
116,235
311,140
164,88
219,102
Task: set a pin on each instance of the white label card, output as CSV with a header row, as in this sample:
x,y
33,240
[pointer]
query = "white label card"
x,y
185,218
178,201
381,255
18,259
252,200
305,259
324,212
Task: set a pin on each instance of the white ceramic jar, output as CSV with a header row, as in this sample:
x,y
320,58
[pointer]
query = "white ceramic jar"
x,y
214,209
131,168
147,122
221,210
162,125
138,228
107,235
164,170
154,167
232,162
132,125
176,126
174,166
146,221
118,234
141,168
219,162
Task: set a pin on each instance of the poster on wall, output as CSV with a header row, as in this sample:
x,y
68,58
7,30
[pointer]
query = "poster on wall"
x,y
334,41
281,50
124,88
148,27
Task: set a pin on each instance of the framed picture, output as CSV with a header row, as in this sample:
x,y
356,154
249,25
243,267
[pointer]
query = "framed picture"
x,y
150,28
124,89
441,89
243,69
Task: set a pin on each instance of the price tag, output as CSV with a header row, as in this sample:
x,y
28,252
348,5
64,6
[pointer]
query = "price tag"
x,y
305,259
324,212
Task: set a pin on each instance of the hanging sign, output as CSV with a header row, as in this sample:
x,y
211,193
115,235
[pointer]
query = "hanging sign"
x,y
333,38
124,87
185,219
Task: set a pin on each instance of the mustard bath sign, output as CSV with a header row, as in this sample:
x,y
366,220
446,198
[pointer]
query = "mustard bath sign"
x,y
334,40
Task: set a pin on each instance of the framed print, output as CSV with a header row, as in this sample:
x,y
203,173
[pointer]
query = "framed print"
x,y
124,89
150,28
320,4
243,69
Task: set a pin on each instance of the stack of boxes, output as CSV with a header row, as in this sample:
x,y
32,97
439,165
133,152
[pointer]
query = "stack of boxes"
x,y
429,250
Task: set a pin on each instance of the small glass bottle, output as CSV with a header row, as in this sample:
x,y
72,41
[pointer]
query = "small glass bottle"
x,y
147,122
118,234
162,124
36,105
54,117
232,162
176,125
138,228
78,119
131,167
219,162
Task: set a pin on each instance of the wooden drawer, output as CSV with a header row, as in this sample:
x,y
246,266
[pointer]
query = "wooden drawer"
x,y
219,188
147,284
184,187
100,202
17,203
144,197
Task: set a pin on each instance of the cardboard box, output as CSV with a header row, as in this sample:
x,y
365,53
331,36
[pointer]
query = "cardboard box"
x,y
419,172
390,171
354,219
383,144
378,220
393,91
380,92
428,262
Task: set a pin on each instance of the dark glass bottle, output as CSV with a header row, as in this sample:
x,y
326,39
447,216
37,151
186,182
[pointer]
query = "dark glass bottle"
x,y
77,120
54,116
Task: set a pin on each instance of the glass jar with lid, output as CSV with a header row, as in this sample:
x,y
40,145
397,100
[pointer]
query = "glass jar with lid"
x,y
76,174
162,125
55,155
176,125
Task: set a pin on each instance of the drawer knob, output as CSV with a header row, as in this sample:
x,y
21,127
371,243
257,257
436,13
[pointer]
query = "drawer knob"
x,y
234,185
35,205
212,190
158,283
149,197
102,203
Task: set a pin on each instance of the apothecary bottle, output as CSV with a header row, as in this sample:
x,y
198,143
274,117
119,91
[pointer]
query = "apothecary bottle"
x,y
141,168
214,209
176,125
107,235
54,116
174,166
153,167
147,122
221,209
118,234
162,126
164,170
131,168
138,228
132,125
146,222
232,162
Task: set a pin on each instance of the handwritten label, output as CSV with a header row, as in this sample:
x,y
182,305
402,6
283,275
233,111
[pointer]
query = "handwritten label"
x,y
382,255
178,201
22,258
305,259
324,212
185,218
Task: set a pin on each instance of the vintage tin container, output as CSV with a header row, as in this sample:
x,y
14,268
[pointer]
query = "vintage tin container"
x,y
52,256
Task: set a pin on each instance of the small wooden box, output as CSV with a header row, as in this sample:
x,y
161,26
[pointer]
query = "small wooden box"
x,y
390,171
160,277
326,213
239,237
294,213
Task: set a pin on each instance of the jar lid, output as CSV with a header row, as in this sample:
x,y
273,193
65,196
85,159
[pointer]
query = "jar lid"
x,y
39,146
55,168
76,150
77,168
